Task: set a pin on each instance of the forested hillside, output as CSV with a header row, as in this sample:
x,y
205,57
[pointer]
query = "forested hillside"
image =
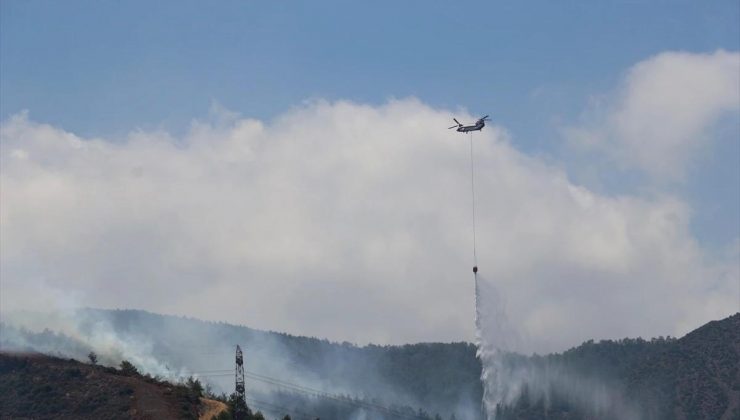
x,y
694,377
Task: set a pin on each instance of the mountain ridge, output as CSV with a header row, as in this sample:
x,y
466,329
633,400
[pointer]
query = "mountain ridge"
x,y
695,376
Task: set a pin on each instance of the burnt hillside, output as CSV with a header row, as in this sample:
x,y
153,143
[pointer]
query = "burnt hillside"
x,y
43,387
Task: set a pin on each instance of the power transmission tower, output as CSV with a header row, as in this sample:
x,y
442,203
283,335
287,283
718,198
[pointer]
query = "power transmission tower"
x,y
240,411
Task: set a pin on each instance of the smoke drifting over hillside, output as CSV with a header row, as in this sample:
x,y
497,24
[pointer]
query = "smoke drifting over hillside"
x,y
77,333
280,369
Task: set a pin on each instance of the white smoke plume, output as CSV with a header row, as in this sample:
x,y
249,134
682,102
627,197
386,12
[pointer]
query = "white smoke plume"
x,y
74,333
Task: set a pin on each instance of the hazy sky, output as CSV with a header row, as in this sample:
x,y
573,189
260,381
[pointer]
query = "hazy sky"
x,y
286,165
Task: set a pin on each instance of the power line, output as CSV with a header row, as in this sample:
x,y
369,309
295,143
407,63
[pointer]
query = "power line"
x,y
317,393
322,394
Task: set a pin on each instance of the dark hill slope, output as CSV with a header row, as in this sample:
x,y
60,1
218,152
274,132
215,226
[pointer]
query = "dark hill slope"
x,y
698,376
694,377
43,387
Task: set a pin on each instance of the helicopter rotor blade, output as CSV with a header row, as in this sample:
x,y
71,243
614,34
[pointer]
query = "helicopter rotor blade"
x,y
458,122
454,126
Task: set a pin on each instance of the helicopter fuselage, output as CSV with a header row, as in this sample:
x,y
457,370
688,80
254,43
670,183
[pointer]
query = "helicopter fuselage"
x,y
475,127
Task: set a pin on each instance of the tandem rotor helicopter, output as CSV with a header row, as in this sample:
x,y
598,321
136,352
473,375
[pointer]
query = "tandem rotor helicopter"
x,y
466,128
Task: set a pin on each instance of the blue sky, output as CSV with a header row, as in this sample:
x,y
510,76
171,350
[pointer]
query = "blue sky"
x,y
634,100
104,67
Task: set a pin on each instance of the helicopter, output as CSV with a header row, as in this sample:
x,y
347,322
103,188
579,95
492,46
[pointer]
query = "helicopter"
x,y
466,128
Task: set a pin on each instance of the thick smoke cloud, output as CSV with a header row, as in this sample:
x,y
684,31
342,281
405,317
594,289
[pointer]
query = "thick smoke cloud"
x,y
345,221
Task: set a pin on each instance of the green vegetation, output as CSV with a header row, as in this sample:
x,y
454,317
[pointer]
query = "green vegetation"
x,y
128,369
